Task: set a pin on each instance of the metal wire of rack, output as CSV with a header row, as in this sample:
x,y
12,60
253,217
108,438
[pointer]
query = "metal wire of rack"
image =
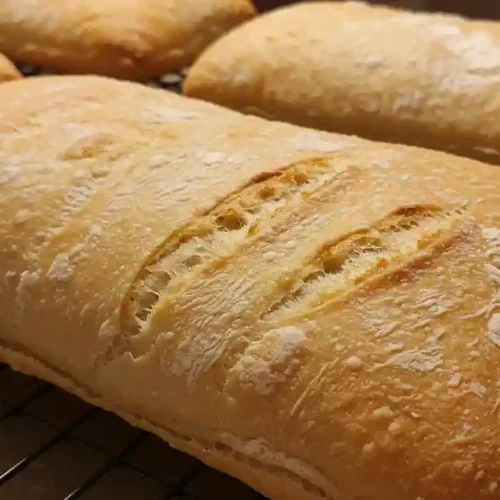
x,y
53,446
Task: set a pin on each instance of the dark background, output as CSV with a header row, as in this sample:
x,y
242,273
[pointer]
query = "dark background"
x,y
487,9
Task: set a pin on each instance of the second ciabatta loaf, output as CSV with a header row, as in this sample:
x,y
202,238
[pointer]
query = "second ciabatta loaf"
x,y
424,79
133,39
314,314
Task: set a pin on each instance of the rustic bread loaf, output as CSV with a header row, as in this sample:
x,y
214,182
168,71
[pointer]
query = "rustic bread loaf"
x,y
7,70
134,39
423,79
315,314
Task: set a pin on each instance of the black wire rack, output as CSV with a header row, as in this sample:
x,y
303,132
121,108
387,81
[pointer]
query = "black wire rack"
x,y
53,446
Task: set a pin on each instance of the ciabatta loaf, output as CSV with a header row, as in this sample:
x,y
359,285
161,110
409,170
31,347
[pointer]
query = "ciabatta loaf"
x,y
7,70
315,314
423,79
134,39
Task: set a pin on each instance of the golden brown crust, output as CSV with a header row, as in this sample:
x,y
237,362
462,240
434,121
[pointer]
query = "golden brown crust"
x,y
130,39
7,70
429,80
331,304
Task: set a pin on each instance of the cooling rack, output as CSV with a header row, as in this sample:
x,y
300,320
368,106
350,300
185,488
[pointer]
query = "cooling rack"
x,y
53,446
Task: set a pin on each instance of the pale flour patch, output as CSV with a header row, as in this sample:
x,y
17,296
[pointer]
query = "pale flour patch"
x,y
167,114
394,346
494,329
455,380
488,151
12,168
106,335
78,131
9,275
158,161
270,361
195,356
24,11
95,231
382,413
493,272
382,162
353,362
492,268
492,235
61,269
26,281
381,323
312,141
425,360
475,56
23,216
107,331
213,158
478,389
269,255
261,451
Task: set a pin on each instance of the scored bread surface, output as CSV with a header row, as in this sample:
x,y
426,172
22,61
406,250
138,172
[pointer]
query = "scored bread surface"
x,y
133,39
315,314
430,80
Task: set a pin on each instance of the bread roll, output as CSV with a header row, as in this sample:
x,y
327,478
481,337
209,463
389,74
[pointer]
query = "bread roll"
x,y
423,79
7,70
315,314
134,39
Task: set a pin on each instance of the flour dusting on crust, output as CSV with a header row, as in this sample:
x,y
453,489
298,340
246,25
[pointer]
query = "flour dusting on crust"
x,y
259,449
492,267
271,361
